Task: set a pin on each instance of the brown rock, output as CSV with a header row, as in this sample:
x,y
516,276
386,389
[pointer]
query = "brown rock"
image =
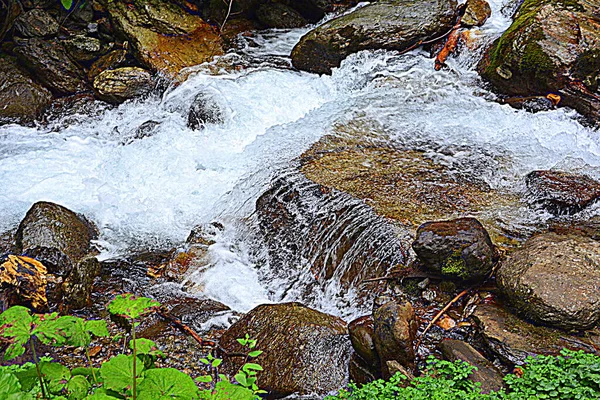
x,y
112,60
554,280
487,374
362,337
36,23
305,351
476,13
562,192
395,327
118,85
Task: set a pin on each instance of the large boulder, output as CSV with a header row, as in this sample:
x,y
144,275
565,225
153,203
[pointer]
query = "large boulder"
x,y
386,24
164,37
61,240
460,249
305,351
552,46
554,280
562,192
49,63
21,99
118,85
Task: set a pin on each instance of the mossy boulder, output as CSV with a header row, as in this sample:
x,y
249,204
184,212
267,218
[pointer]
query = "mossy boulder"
x,y
305,351
553,280
22,100
457,249
61,240
386,24
551,47
164,36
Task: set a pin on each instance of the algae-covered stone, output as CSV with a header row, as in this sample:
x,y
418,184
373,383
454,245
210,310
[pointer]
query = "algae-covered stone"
x,y
551,47
118,85
512,340
458,248
386,24
164,37
305,351
21,99
554,280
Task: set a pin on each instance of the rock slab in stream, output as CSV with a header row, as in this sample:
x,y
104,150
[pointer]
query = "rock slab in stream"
x,y
487,374
552,46
305,351
459,248
21,99
118,85
386,24
562,192
61,240
554,280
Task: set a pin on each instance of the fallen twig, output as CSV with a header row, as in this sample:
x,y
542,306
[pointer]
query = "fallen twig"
x,y
167,315
449,47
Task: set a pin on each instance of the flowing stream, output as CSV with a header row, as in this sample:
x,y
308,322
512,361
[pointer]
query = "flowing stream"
x,y
150,192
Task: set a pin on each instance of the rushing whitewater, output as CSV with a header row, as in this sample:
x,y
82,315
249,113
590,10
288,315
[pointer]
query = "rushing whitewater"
x,y
150,192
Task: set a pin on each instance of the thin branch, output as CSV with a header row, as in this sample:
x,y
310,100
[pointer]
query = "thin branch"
x,y
203,342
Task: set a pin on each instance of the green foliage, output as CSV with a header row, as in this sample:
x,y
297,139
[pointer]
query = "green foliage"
x,y
125,376
67,4
570,376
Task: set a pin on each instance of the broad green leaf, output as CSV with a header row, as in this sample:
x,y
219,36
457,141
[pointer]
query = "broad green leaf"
x,y
204,379
241,379
130,306
97,328
103,394
228,391
67,4
28,378
255,353
78,387
166,384
53,330
15,324
56,375
252,367
118,372
9,384
146,346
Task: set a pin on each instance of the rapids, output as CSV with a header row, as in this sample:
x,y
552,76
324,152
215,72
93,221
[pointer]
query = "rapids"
x,y
150,192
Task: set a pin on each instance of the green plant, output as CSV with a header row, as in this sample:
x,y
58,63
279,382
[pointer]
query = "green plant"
x,y
570,376
125,376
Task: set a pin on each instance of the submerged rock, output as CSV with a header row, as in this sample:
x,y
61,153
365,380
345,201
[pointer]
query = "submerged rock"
x,y
551,47
118,85
554,280
164,37
21,99
459,248
512,339
305,351
61,240
562,192
487,374
395,328
36,23
49,63
386,24
204,110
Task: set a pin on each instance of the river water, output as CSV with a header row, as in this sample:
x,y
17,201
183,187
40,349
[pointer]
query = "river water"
x,y
150,192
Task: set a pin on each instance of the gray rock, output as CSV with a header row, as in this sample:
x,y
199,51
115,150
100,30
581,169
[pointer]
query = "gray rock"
x,y
49,63
278,15
305,351
386,24
554,280
36,23
21,99
487,374
83,48
118,85
459,248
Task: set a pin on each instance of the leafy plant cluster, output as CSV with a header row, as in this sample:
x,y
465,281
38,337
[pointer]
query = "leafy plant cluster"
x,y
131,375
569,376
